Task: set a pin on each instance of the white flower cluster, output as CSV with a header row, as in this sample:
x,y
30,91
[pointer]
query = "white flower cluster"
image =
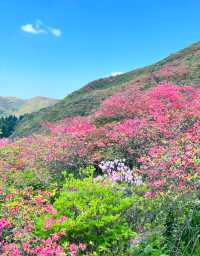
x,y
117,171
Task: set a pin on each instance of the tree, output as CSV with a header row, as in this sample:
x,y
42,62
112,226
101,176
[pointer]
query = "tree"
x,y
7,125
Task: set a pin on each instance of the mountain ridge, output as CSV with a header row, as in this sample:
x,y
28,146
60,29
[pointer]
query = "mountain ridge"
x,y
181,68
11,105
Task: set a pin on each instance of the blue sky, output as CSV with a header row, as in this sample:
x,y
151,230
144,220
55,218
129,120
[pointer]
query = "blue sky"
x,y
52,47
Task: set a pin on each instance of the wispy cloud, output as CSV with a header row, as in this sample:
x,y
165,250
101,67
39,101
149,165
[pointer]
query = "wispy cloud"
x,y
40,28
56,32
116,73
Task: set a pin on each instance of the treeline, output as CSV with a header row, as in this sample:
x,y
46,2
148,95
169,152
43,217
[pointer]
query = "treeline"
x,y
7,125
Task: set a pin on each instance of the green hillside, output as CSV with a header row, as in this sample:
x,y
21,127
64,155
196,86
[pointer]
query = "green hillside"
x,y
9,105
34,105
181,68
18,107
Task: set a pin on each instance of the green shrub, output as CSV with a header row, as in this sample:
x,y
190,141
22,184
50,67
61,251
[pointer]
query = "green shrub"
x,y
94,211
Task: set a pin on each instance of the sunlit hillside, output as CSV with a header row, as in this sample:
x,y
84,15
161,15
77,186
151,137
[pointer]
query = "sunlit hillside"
x,y
180,68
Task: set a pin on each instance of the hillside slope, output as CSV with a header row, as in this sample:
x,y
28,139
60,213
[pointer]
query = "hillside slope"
x,y
180,68
8,105
35,104
16,106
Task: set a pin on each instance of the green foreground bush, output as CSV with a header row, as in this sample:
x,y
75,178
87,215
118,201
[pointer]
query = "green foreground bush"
x,y
93,213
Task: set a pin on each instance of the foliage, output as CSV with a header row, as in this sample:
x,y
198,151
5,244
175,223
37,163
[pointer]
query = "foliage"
x,y
7,125
91,212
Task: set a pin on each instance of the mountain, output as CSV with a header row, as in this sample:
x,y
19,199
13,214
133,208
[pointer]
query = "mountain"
x,y
181,68
9,105
16,106
35,104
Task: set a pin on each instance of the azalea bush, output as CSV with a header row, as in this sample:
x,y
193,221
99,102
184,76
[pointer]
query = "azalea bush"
x,y
19,212
175,165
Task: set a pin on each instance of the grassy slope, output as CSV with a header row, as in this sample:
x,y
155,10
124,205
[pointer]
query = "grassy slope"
x,y
8,105
88,98
35,104
16,106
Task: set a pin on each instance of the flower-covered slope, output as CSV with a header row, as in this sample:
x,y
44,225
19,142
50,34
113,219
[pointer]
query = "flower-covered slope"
x,y
130,124
180,68
141,144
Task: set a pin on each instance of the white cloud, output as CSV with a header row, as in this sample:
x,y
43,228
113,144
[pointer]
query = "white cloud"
x,y
29,28
40,28
56,32
116,73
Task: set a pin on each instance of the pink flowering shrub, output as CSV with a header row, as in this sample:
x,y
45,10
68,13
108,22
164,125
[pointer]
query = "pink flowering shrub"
x,y
175,165
20,210
170,71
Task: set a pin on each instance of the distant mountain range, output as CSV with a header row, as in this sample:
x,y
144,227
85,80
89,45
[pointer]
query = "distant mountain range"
x,y
18,107
180,68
